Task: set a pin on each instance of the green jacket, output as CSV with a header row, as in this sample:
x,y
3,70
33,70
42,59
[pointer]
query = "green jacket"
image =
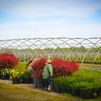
x,y
47,71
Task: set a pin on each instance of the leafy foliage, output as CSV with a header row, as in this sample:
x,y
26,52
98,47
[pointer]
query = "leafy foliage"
x,y
60,67
84,83
7,60
38,66
63,67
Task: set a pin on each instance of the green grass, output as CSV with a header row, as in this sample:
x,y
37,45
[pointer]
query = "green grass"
x,y
11,92
85,65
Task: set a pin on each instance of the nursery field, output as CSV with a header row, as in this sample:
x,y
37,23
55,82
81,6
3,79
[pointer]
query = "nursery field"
x,y
83,85
86,82
76,69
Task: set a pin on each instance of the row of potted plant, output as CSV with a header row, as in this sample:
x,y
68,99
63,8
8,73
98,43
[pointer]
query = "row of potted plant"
x,y
15,76
84,83
22,77
5,74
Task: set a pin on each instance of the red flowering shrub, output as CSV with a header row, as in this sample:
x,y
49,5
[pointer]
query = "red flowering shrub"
x,y
7,60
38,66
62,67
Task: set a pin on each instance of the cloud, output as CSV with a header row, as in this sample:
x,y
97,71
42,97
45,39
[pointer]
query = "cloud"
x,y
54,28
33,8
49,18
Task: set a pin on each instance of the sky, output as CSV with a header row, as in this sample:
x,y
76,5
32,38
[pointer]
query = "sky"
x,y
50,18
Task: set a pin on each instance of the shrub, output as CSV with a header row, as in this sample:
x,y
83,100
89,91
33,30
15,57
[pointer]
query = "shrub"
x,y
60,67
63,67
38,66
7,60
84,83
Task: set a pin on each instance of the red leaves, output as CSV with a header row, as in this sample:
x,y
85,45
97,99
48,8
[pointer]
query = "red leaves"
x,y
60,67
72,66
38,66
7,60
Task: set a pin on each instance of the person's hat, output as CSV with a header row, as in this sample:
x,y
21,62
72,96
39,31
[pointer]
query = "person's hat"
x,y
48,61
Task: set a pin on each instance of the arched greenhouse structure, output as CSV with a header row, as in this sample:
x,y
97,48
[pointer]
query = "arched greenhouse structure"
x,y
83,50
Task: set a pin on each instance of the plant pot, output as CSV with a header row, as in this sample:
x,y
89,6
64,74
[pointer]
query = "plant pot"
x,y
3,77
21,80
68,89
75,91
85,93
99,92
62,89
56,89
94,94
15,80
7,76
28,80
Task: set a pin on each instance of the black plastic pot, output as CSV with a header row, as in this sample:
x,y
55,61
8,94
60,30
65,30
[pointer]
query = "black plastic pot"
x,y
85,93
16,80
5,77
28,80
75,92
56,89
99,91
68,89
62,89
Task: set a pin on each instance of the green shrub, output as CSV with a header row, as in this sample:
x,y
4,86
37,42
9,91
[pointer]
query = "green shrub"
x,y
84,83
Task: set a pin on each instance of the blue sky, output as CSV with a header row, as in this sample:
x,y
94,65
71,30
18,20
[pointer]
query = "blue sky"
x,y
50,18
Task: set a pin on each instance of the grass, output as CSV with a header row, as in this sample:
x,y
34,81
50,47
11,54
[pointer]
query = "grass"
x,y
85,65
11,92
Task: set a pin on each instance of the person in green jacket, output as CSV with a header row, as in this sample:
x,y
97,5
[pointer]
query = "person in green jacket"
x,y
47,75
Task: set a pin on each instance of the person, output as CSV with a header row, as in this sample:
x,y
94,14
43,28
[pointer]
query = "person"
x,y
47,75
28,66
29,69
36,82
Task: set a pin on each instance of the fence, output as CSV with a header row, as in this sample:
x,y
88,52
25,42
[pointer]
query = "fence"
x,y
80,49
